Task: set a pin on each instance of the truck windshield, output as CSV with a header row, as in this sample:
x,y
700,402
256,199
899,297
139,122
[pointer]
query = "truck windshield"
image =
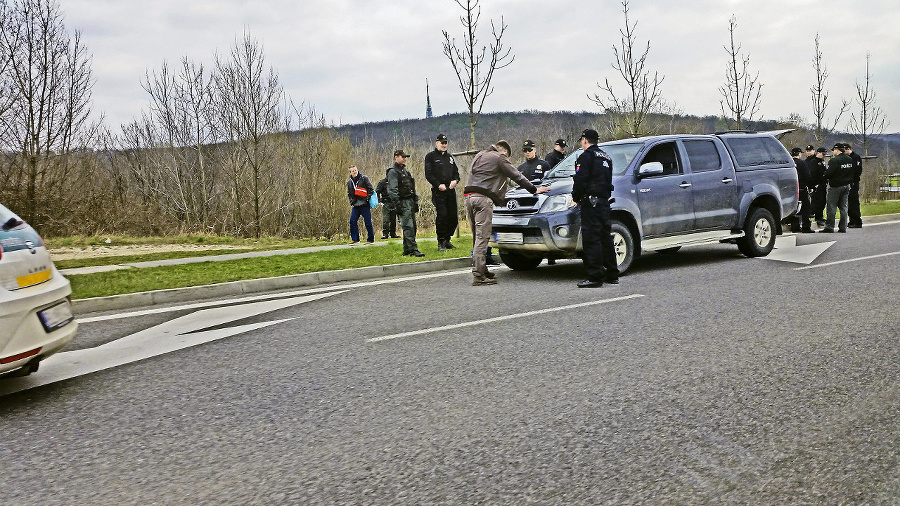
x,y
621,155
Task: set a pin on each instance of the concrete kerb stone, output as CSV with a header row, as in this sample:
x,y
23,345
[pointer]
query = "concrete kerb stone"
x,y
174,295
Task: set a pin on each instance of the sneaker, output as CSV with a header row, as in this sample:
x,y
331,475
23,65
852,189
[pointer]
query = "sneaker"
x,y
483,281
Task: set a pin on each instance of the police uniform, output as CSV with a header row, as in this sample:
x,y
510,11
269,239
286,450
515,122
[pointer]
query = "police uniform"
x,y
402,192
817,182
554,156
800,221
534,169
853,211
591,189
441,169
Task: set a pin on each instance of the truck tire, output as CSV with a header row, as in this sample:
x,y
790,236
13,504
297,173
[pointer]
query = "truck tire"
x,y
623,244
518,261
759,233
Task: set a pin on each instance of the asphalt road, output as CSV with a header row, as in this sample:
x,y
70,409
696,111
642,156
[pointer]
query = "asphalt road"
x,y
703,378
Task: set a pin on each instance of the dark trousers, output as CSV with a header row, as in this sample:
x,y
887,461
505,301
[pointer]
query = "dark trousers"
x,y
599,255
818,201
406,214
366,214
388,220
446,213
800,221
853,211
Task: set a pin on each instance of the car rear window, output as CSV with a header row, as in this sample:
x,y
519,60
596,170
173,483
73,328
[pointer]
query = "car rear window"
x,y
757,151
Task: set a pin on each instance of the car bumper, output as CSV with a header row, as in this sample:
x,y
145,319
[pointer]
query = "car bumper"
x,y
551,233
29,340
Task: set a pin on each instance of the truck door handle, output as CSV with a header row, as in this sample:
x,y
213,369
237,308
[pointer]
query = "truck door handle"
x,y
727,180
685,184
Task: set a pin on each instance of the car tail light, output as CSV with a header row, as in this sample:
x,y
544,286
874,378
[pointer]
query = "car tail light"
x,y
20,356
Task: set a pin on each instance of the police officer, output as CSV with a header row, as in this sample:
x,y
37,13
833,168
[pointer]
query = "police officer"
x,y
800,221
557,154
443,174
839,176
591,189
816,166
402,193
533,167
853,211
388,214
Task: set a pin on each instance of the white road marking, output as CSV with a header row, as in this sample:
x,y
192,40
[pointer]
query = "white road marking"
x,y
870,257
786,250
498,319
268,296
177,334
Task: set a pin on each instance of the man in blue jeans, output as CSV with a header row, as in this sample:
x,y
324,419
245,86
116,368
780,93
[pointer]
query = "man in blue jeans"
x,y
359,189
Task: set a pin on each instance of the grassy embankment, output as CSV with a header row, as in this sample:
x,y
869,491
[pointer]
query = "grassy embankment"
x,y
156,278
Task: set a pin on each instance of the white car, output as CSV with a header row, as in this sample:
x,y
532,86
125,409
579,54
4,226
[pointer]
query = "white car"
x,y
36,317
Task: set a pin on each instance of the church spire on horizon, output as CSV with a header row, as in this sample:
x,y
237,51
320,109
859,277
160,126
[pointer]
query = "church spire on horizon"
x,y
427,100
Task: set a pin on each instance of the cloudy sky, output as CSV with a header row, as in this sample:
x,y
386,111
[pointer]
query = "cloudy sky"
x,y
357,61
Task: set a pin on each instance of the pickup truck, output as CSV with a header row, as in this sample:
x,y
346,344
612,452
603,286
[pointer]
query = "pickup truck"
x,y
669,191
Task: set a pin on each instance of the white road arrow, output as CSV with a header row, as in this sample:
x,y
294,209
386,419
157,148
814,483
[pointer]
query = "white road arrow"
x,y
786,250
170,336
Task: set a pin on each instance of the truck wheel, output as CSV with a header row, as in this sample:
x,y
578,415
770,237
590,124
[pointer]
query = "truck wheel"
x,y
623,245
518,261
759,233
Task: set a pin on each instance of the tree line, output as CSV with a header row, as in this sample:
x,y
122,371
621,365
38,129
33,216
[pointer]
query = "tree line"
x,y
223,150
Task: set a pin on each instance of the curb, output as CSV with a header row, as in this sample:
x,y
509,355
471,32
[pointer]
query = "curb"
x,y
232,288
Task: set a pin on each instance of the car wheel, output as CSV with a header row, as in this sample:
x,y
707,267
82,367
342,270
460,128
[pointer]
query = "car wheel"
x,y
759,234
623,245
518,261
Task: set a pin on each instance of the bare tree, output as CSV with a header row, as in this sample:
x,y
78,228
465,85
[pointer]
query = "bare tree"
x,y
475,68
46,86
820,97
629,112
871,119
250,103
741,92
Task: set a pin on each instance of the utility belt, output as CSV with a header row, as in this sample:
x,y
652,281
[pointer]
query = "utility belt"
x,y
595,200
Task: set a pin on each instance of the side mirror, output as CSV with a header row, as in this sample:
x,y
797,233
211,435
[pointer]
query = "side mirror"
x,y
650,169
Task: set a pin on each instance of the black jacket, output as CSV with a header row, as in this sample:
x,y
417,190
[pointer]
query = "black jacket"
x,y
857,166
554,157
440,168
802,172
360,181
593,175
534,169
816,170
840,170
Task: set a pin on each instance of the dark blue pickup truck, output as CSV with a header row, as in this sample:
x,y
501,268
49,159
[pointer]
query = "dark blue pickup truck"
x,y
670,191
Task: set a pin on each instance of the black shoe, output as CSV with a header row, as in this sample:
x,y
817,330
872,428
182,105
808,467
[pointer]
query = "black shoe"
x,y
855,225
551,261
612,281
417,253
442,247
807,231
449,245
395,236
587,283
491,261
826,231
795,230
384,237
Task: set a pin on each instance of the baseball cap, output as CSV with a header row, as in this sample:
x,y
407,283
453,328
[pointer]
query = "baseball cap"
x,y
400,152
822,150
796,151
528,145
590,134
838,146
560,142
810,147
441,137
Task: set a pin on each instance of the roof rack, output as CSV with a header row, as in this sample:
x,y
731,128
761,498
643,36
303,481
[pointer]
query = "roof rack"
x,y
735,132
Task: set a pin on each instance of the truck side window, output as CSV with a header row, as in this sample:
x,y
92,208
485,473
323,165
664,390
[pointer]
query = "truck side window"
x,y
702,155
666,154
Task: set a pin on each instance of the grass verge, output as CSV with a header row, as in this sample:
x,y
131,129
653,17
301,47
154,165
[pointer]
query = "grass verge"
x,y
205,273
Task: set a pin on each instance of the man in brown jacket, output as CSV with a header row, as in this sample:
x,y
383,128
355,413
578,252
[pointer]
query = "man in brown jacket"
x,y
487,185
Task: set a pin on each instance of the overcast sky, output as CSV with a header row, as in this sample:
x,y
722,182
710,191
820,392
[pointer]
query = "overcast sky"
x,y
358,61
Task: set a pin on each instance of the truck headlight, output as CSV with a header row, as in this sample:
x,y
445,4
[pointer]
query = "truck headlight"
x,y
557,203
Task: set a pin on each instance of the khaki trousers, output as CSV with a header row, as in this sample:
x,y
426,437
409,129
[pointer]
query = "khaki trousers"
x,y
480,212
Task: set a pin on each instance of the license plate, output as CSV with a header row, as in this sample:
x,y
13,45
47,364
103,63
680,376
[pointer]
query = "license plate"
x,y
509,237
56,317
